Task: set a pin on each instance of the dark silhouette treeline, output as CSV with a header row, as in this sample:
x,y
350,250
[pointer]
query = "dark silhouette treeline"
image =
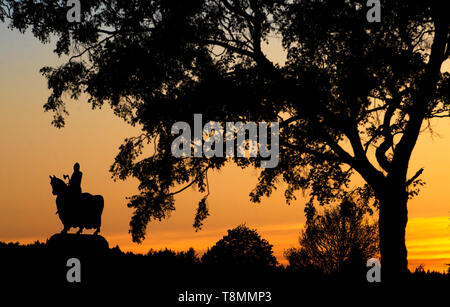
x,y
240,261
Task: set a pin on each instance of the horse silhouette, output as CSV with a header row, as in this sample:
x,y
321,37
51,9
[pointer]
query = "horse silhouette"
x,y
84,211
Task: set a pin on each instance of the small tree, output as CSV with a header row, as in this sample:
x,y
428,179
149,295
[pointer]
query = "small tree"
x,y
339,239
241,246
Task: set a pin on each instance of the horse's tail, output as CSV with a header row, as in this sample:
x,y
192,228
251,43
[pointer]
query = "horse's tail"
x,y
99,204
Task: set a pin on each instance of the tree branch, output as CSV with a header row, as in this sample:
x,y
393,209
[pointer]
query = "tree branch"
x,y
411,180
380,152
91,47
422,97
190,184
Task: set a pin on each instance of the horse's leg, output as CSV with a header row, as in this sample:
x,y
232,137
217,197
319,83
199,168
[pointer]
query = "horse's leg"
x,y
65,229
80,231
97,230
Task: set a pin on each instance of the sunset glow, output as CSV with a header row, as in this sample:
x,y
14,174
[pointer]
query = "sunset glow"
x,y
31,150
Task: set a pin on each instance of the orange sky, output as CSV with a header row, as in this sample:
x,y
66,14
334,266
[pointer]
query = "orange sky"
x,y
31,149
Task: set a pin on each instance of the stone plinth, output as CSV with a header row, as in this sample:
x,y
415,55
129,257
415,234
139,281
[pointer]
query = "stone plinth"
x,y
78,244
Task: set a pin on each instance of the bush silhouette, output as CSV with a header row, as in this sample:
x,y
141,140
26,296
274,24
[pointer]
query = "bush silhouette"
x,y
339,240
241,247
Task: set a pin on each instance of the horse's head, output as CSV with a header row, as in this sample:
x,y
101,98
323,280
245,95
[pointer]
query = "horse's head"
x,y
58,186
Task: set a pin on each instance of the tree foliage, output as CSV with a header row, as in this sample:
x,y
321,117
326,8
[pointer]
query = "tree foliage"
x,y
241,246
339,240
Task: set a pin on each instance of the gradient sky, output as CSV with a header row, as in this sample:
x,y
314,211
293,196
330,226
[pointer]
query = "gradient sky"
x,y
31,150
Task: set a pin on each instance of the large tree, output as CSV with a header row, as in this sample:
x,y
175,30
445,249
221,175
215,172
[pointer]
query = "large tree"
x,y
352,96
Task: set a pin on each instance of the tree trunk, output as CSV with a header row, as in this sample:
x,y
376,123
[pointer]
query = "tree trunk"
x,y
392,226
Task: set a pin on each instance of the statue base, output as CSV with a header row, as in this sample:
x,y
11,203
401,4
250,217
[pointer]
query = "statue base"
x,y
77,244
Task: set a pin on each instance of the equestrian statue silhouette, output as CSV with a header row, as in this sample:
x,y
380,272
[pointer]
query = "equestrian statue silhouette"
x,y
76,209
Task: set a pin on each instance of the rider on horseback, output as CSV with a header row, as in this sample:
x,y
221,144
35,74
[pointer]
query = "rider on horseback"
x,y
74,186
76,209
